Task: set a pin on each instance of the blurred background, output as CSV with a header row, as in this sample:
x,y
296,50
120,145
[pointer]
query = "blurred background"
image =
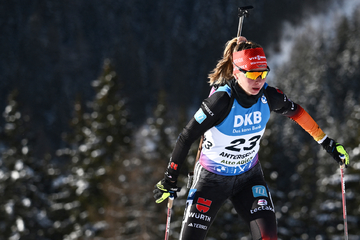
x,y
93,95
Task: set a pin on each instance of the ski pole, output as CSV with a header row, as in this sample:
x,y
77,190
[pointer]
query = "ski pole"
x,y
169,207
242,12
342,166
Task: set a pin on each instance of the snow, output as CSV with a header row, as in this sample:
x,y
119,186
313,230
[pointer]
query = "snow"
x,y
324,23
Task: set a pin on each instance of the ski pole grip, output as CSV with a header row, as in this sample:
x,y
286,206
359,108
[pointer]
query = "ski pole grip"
x,y
342,164
170,202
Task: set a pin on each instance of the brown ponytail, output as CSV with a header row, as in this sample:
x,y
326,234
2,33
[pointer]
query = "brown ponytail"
x,y
223,72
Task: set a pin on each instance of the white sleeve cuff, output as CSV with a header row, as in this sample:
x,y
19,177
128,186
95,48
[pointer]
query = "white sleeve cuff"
x,y
322,140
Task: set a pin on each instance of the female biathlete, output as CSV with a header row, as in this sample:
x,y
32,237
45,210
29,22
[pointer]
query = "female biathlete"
x,y
232,121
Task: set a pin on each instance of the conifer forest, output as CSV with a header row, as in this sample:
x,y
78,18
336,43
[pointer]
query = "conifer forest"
x,y
94,94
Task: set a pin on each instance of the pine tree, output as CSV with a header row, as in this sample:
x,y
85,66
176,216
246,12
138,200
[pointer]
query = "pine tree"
x,y
146,166
99,143
24,180
114,132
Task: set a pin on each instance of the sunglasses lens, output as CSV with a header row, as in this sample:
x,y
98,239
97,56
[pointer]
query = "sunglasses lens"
x,y
252,75
264,74
255,75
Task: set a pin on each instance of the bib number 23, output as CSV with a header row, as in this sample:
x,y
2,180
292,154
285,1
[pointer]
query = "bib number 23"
x,y
237,144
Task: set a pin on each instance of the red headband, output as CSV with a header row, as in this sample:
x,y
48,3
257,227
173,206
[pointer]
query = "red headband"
x,y
249,59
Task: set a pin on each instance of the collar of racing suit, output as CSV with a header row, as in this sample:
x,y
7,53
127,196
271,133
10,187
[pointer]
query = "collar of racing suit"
x,y
243,99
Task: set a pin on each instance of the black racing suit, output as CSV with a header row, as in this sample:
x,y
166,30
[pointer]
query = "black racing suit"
x,y
247,191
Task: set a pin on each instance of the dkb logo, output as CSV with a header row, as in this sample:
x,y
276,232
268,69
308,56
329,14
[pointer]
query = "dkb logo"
x,y
248,119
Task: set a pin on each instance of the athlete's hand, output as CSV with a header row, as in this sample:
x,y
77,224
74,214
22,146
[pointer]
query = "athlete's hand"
x,y
336,150
165,188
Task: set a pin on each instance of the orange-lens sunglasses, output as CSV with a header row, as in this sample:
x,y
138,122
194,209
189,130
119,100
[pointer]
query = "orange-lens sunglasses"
x,y
254,74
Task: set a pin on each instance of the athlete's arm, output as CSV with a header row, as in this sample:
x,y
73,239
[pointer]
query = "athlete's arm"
x,y
280,103
211,110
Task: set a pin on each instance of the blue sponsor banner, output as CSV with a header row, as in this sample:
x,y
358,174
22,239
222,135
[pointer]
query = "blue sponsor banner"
x,y
259,191
244,121
200,116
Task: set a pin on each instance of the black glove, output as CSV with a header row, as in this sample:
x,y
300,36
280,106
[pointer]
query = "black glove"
x,y
336,150
165,188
